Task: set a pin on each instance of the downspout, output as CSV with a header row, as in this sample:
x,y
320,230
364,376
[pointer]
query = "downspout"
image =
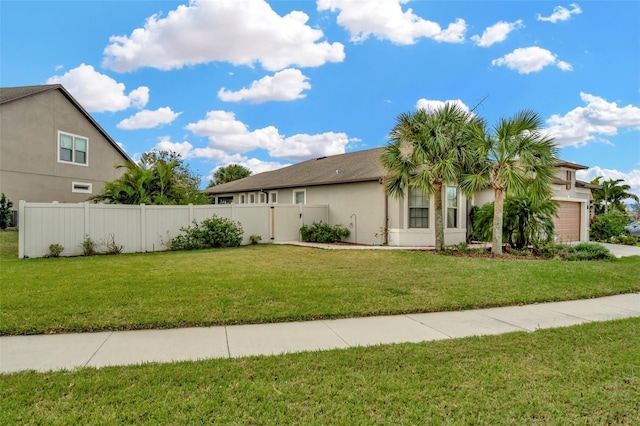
x,y
385,228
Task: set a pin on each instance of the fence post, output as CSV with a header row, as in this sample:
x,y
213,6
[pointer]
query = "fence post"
x,y
190,214
21,228
87,224
143,228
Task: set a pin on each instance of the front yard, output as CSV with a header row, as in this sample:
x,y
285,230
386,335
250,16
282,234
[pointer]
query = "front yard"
x,y
270,283
587,374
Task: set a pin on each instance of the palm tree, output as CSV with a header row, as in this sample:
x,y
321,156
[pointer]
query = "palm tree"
x,y
229,174
517,158
611,193
427,151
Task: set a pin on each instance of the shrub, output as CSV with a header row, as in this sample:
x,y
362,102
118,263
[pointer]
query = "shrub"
x,y
5,212
88,246
55,250
320,232
587,251
213,232
110,246
608,226
255,239
626,239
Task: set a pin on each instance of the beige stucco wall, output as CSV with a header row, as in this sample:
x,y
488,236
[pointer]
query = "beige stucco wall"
x,y
29,167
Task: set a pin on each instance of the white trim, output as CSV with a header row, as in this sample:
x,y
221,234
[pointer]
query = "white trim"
x,y
82,187
73,136
252,198
262,198
297,191
242,198
270,197
567,198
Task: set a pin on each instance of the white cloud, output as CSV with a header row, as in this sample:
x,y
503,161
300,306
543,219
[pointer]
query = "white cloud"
x,y
496,33
632,178
560,14
285,85
147,119
227,134
526,60
432,105
385,19
589,123
182,148
98,92
239,32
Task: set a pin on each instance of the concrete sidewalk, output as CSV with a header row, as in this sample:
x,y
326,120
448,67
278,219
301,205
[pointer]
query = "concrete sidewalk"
x,y
68,351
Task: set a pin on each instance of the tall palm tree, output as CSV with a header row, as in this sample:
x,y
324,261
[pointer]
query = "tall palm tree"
x,y
427,151
611,194
518,158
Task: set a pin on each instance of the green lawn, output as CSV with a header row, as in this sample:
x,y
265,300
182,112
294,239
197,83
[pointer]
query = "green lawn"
x,y
587,374
270,283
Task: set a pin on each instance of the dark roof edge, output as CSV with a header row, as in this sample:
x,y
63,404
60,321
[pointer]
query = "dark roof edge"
x,y
570,165
299,185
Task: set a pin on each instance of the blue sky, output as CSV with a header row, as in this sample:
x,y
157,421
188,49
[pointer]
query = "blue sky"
x,y
271,83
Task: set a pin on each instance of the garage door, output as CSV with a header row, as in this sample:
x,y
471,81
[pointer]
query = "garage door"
x,y
567,224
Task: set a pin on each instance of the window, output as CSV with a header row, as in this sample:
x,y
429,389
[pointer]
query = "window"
x,y
299,197
73,149
452,207
225,200
242,199
252,198
81,187
418,209
569,179
262,198
273,197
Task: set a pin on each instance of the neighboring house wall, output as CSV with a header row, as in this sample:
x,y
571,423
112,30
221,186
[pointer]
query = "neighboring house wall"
x,y
572,222
30,167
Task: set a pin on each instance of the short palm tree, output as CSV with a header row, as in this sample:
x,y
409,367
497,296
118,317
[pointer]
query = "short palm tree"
x,y
427,151
517,158
611,193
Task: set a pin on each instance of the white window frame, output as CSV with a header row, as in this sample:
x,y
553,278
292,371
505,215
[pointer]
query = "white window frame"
x,y
242,198
79,187
298,191
262,198
273,197
457,208
252,198
73,150
409,207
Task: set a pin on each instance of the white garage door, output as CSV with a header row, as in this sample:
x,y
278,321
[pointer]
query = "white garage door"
x,y
567,224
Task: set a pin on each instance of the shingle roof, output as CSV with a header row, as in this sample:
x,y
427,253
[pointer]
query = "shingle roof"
x,y
359,166
9,94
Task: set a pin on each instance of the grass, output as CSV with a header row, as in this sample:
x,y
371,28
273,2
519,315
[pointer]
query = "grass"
x,y
587,374
271,283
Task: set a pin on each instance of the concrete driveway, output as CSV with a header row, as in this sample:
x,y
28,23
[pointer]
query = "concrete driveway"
x,y
619,250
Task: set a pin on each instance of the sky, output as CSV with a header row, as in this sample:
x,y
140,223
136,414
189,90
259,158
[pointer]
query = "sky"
x,y
266,84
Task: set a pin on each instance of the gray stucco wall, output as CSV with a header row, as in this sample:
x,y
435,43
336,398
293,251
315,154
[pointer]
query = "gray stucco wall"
x,y
29,167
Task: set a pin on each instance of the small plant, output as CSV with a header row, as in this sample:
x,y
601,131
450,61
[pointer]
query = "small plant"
x,y
608,226
5,212
255,239
625,239
383,235
320,232
88,246
110,246
55,250
587,251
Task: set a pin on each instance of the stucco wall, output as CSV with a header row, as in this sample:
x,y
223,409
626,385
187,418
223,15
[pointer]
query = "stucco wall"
x,y
29,167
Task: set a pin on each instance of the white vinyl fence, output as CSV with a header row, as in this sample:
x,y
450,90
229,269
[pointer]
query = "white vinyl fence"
x,y
142,228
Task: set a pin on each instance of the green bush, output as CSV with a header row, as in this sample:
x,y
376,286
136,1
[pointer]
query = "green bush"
x,y
625,239
608,226
55,250
214,232
587,251
320,232
5,212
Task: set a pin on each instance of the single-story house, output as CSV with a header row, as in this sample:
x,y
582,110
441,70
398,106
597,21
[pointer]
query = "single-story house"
x,y
351,186
51,149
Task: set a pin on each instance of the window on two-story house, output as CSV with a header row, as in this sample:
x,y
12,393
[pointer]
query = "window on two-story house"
x,y
569,178
452,207
418,209
73,149
299,197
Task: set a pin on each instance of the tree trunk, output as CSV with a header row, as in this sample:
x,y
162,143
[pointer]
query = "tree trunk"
x,y
498,209
438,188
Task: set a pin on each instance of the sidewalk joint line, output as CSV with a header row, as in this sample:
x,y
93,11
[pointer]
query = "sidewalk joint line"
x,y
226,338
97,350
336,333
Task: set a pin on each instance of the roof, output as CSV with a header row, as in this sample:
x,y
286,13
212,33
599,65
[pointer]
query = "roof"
x,y
570,165
359,166
10,94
